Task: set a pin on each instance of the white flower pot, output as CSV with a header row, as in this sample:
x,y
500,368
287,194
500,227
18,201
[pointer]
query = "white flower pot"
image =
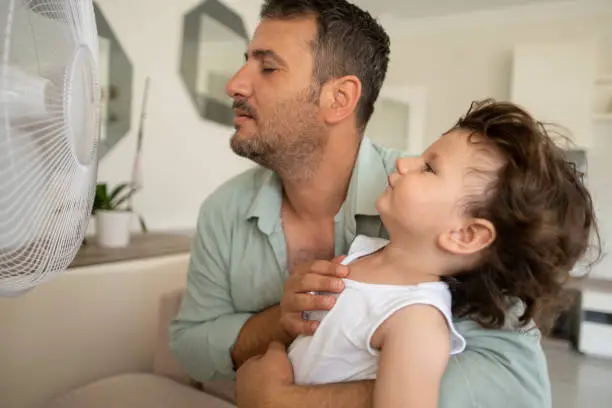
x,y
91,226
113,228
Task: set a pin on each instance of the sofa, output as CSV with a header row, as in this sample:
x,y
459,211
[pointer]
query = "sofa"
x,y
167,386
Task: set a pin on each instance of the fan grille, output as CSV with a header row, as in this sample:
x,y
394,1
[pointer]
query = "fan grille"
x,y
49,125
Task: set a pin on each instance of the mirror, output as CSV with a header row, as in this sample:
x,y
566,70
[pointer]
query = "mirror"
x,y
214,41
116,87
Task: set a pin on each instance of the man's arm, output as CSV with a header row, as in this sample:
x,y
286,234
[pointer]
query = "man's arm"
x,y
284,322
415,347
266,381
504,367
207,324
358,394
499,368
257,334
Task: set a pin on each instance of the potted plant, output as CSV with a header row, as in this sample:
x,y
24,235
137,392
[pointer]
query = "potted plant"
x,y
113,213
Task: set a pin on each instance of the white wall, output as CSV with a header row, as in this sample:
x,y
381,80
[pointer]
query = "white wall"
x,y
185,157
462,58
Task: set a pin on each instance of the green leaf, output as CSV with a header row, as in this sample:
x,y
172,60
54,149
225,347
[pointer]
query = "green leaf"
x,y
101,201
101,191
116,191
143,226
121,200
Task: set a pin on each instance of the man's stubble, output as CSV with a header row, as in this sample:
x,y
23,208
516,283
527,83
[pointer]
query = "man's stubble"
x,y
290,142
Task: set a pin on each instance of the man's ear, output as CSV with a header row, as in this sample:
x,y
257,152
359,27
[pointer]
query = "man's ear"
x,y
475,235
339,98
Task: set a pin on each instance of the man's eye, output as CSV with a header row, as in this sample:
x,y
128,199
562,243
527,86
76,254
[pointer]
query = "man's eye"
x,y
268,70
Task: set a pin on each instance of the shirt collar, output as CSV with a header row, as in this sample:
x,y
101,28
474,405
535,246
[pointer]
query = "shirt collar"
x,y
267,203
368,181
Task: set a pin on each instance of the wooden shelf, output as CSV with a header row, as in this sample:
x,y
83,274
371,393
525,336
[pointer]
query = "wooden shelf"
x,y
149,245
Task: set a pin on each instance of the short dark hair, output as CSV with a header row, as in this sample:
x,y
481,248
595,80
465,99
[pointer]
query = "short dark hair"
x,y
543,214
349,41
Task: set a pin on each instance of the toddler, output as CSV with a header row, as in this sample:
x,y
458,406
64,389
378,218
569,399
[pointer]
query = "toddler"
x,y
490,215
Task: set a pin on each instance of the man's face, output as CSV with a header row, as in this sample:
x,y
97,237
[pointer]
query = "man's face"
x,y
275,99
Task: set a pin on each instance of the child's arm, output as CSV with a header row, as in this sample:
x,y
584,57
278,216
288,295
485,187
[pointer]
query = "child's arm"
x,y
414,350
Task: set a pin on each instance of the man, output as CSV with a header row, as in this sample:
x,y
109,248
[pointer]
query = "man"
x,y
302,99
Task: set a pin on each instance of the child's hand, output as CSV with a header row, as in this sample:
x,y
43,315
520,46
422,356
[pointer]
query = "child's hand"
x,y
318,276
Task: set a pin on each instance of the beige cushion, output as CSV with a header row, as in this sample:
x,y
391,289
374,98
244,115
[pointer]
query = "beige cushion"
x,y
137,391
164,362
226,390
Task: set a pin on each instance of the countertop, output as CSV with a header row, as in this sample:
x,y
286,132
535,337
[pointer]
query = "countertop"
x,y
149,245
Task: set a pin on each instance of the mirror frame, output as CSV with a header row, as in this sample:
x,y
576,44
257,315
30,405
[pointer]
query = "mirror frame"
x,y
120,81
210,108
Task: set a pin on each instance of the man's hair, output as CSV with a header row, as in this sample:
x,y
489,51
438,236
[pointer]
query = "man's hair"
x,y
349,41
543,215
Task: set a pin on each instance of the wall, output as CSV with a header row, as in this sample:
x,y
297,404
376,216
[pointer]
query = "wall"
x,y
465,57
185,157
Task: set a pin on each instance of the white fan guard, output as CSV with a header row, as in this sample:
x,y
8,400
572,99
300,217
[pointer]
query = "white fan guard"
x,y
49,126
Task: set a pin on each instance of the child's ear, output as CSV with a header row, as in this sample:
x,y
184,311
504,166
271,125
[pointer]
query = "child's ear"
x,y
475,235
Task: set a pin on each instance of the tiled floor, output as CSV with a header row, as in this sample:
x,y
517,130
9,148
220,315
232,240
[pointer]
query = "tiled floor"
x,y
578,381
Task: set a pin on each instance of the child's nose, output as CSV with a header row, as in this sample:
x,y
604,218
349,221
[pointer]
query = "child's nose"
x,y
403,164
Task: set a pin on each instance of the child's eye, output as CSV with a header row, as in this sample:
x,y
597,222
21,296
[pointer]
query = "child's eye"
x,y
427,168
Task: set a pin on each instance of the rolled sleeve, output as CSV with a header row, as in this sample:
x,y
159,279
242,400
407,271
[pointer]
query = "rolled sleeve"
x,y
207,325
204,349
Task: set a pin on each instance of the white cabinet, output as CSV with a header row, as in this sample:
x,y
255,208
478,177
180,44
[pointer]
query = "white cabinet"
x,y
555,83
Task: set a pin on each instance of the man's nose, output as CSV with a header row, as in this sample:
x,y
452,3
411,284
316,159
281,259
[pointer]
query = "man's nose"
x,y
239,85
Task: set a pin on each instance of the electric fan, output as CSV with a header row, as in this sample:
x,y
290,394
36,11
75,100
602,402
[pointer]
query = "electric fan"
x,y
49,125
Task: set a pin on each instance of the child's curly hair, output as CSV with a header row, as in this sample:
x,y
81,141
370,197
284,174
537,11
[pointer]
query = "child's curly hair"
x,y
543,215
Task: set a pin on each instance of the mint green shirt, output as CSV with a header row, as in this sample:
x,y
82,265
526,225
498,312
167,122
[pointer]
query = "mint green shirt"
x,y
239,263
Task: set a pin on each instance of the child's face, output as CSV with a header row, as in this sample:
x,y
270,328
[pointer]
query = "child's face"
x,y
426,195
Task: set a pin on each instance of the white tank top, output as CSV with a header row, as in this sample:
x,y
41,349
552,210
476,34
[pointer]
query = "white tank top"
x,y
340,349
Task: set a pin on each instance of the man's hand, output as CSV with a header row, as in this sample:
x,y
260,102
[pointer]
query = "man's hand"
x,y
319,276
262,378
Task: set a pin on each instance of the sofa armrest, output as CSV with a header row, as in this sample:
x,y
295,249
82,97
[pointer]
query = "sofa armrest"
x,y
164,363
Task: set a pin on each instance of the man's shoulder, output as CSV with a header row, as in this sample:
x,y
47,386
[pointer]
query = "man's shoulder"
x,y
236,194
496,367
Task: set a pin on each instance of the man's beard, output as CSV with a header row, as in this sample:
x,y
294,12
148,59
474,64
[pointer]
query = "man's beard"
x,y
290,142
